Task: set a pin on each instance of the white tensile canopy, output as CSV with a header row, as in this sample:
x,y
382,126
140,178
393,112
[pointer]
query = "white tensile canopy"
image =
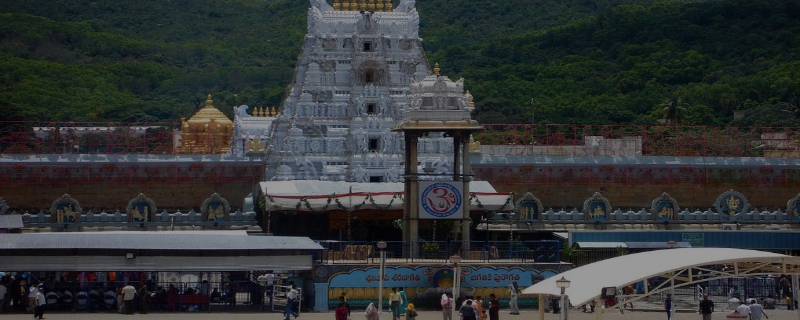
x,y
315,195
680,266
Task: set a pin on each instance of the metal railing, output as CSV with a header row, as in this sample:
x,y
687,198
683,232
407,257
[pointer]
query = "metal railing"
x,y
632,140
30,137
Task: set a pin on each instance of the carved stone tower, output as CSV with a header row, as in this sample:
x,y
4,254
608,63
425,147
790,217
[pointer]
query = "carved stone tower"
x,y
350,89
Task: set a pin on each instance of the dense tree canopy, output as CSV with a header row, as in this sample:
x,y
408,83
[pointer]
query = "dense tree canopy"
x,y
548,61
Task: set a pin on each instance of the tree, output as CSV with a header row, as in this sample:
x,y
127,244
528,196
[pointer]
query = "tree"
x,y
672,109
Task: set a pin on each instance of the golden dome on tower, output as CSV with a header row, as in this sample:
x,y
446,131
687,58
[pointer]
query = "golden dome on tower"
x,y
207,132
209,113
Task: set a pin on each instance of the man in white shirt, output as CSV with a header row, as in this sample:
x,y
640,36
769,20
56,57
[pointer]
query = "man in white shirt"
x,y
128,294
32,296
291,303
744,310
267,280
39,302
756,311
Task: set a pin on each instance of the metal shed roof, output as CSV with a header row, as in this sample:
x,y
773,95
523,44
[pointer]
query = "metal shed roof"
x,y
152,241
759,240
155,251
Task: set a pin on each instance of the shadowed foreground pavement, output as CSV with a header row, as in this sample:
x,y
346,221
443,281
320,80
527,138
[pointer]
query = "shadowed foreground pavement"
x,y
359,315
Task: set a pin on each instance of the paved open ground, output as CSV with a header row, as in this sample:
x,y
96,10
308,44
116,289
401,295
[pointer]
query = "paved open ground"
x,y
424,315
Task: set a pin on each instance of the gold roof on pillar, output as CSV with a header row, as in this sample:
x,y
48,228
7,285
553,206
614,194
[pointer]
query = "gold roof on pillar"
x,y
209,113
207,132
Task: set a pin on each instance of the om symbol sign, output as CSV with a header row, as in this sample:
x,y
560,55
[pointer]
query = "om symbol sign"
x,y
441,200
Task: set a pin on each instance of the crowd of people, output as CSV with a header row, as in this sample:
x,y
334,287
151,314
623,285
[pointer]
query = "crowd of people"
x,y
18,293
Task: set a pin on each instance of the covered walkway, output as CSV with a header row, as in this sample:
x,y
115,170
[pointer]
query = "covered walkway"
x,y
676,267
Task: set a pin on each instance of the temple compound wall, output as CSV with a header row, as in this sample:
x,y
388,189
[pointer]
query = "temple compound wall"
x,y
108,182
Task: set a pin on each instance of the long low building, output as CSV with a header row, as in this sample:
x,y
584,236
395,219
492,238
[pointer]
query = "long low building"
x,y
155,251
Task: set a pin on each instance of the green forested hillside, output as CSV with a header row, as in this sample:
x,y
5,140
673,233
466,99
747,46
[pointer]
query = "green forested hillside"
x,y
144,60
582,61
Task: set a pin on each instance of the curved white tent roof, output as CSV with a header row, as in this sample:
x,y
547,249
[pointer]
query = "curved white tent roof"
x,y
587,282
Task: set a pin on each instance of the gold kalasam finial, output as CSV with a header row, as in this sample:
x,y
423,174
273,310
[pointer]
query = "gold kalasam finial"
x,y
387,6
436,69
336,5
272,112
209,102
259,112
345,5
362,5
371,5
379,6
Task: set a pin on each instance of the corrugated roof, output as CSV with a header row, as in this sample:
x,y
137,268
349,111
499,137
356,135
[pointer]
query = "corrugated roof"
x,y
601,245
153,241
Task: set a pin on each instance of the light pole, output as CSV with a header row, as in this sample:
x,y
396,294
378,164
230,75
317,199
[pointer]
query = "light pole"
x,y
671,244
563,283
382,247
511,216
455,260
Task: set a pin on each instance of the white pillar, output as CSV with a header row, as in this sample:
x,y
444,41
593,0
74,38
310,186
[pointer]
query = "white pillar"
x,y
381,272
542,305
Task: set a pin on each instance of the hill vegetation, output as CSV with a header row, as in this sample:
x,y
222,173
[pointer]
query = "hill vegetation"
x,y
570,61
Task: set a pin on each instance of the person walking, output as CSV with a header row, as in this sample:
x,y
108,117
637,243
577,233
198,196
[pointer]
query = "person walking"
x,y
32,296
372,312
411,313
668,306
756,311
447,306
403,301
481,312
467,311
394,303
343,302
38,303
743,310
494,307
342,311
128,294
291,302
144,295
706,307
512,303
628,292
3,292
